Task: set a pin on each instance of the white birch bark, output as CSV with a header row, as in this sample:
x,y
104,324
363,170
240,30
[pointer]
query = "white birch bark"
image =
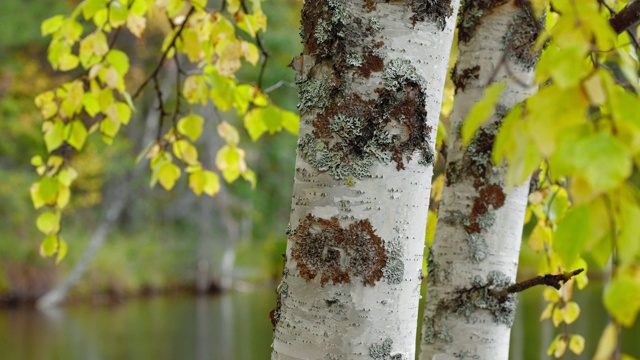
x,y
480,221
371,79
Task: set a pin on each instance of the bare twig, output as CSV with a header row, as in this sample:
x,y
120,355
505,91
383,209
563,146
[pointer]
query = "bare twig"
x,y
548,280
154,73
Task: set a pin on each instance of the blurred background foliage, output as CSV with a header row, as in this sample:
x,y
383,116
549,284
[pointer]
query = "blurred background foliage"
x,y
157,243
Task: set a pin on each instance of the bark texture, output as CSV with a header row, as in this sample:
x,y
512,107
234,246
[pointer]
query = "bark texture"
x,y
370,79
477,242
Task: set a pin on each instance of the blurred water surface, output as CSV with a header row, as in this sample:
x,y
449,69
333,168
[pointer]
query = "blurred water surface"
x,y
229,327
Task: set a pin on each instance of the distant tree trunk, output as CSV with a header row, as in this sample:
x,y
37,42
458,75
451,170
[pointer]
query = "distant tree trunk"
x,y
370,79
114,209
480,221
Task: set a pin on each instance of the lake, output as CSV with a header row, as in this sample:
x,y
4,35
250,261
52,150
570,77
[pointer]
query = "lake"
x,y
229,327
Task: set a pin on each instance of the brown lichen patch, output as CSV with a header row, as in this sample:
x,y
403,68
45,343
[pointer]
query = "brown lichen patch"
x,y
471,14
370,5
322,247
371,63
436,11
352,133
461,77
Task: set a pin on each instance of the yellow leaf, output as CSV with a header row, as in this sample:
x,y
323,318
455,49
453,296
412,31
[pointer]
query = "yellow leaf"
x,y
607,343
576,344
546,313
556,317
48,223
62,250
229,133
49,246
45,102
570,312
186,152
250,52
212,183
229,51
191,126
111,77
168,174
561,348
136,24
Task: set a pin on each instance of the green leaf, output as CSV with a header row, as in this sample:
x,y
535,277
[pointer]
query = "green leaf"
x,y
195,90
230,160
622,299
572,235
49,246
481,111
51,25
570,312
75,134
229,133
90,7
90,104
168,174
48,222
576,344
191,126
53,134
290,121
119,60
67,61
212,183
254,124
607,343
45,102
62,250
118,13
602,161
627,241
185,152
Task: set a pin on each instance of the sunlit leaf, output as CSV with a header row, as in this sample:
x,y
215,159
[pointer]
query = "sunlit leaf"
x,y
622,299
52,24
191,126
229,133
168,174
48,222
53,133
481,111
49,246
576,344
607,343
573,234
75,134
62,250
185,151
570,312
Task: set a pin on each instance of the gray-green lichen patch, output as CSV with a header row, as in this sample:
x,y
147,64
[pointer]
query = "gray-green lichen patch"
x,y
383,352
433,332
520,38
331,33
435,11
352,134
478,247
335,253
470,16
313,94
480,296
393,271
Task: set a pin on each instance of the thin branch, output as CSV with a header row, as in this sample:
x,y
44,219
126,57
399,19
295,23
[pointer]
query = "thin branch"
x,y
155,72
626,17
548,280
263,50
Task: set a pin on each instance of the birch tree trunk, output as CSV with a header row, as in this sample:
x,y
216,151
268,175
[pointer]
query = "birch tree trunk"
x,y
480,221
370,79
